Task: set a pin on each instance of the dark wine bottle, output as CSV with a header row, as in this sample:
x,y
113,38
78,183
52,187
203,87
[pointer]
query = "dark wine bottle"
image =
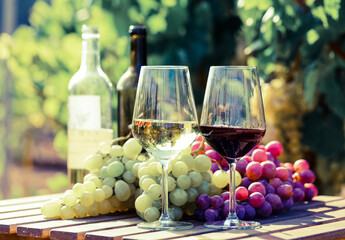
x,y
127,85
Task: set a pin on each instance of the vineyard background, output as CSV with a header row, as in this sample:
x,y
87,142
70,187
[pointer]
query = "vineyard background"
x,y
299,47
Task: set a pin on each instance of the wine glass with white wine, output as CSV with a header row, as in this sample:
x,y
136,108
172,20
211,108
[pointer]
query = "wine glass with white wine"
x,y
165,123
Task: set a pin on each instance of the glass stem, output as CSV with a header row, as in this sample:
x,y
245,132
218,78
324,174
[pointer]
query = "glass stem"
x,y
165,202
232,197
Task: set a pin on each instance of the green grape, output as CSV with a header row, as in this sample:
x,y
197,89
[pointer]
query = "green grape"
x,y
128,177
192,194
143,171
157,204
96,181
142,158
51,209
151,214
147,183
104,147
177,212
116,203
108,191
153,168
171,213
93,209
159,168
70,198
103,172
122,190
110,160
93,161
143,202
89,175
195,178
105,206
189,208
206,176
204,188
67,212
125,159
179,168
99,195
132,188
183,181
178,197
152,159
86,199
132,148
155,191
138,192
135,169
214,190
116,151
129,165
110,181
115,169
79,211
220,178
89,186
140,214
202,163
171,183
78,189
145,177
187,159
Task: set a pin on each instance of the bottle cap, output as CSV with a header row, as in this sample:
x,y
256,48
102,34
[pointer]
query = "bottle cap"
x,y
137,30
90,32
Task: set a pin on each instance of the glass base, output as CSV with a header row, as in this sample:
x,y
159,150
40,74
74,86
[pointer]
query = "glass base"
x,y
232,224
166,225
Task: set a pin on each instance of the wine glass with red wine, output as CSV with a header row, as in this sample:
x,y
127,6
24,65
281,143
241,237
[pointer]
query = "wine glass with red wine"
x,y
232,123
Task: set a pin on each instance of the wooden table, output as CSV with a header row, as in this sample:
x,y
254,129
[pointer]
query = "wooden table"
x,y
323,218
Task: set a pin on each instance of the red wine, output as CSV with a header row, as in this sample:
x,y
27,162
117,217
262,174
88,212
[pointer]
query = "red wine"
x,y
231,142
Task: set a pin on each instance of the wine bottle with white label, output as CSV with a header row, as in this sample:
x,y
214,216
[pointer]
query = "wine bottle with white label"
x,y
89,107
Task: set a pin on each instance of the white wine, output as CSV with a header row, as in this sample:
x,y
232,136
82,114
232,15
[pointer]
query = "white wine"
x,y
165,139
81,144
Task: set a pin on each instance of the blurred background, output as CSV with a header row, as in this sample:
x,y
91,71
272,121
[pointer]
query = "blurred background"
x,y
298,45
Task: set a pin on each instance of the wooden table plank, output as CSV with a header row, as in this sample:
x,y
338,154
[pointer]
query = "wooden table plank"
x,y
32,199
78,232
19,214
114,234
289,215
10,225
20,207
42,229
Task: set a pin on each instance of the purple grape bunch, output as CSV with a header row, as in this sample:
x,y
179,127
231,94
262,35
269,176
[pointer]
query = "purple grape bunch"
x,y
268,187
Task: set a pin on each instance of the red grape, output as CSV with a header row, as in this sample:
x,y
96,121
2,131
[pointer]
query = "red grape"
x,y
224,211
246,182
254,171
207,147
195,146
240,211
249,211
298,195
242,164
224,163
264,211
259,155
312,187
198,138
274,200
216,202
301,165
275,148
211,214
213,155
200,214
214,167
307,176
285,191
268,169
225,196
289,166
299,184
202,201
282,173
270,189
308,194
257,187
256,199
241,193
275,182
288,203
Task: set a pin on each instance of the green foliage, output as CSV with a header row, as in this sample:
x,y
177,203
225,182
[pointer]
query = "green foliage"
x,y
308,38
43,57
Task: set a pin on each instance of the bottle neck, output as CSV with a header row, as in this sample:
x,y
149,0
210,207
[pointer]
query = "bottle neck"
x,y
138,52
90,57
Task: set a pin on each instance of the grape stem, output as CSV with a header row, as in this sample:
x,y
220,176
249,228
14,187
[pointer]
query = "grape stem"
x,y
119,139
201,147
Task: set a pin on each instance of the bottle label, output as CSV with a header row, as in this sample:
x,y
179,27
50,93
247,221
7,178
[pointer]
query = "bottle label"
x,y
84,112
82,143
